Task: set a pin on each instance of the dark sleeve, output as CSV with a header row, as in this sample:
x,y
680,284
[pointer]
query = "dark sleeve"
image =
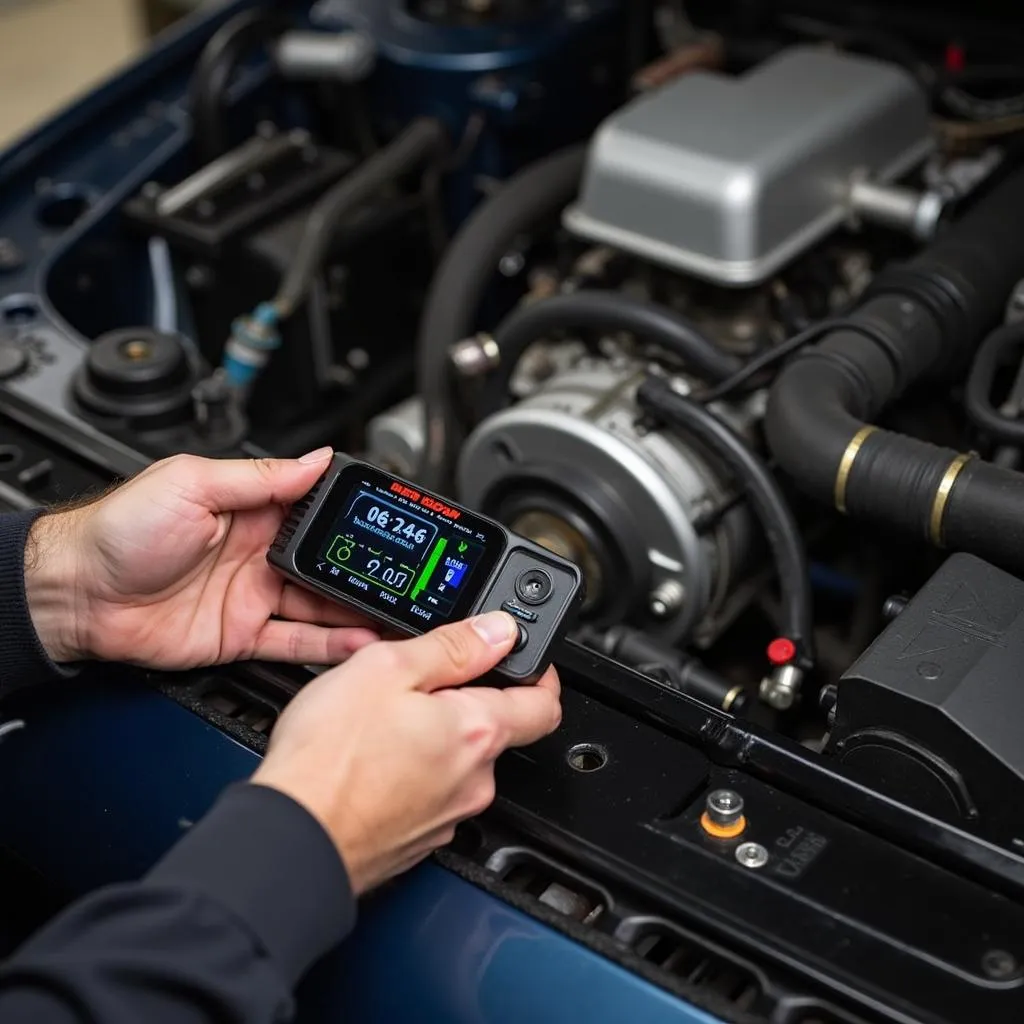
x,y
23,661
220,930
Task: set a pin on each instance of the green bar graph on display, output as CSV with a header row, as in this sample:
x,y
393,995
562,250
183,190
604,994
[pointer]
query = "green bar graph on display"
x,y
428,569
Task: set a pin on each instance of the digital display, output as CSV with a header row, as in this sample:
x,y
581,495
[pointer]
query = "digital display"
x,y
413,557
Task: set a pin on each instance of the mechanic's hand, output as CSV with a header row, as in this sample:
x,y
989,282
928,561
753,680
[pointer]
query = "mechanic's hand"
x,y
169,571
389,757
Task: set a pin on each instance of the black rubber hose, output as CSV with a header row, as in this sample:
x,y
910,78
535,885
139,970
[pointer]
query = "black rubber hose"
x,y
217,63
422,140
527,200
604,311
762,490
679,669
993,354
925,319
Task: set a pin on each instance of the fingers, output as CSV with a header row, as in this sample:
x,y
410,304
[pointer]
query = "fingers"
x,y
302,644
449,655
231,485
520,715
300,605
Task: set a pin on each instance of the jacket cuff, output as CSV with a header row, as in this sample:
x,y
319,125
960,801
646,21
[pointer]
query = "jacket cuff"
x,y
268,861
23,660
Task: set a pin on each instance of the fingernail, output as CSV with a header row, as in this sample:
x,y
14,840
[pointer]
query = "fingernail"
x,y
320,455
495,628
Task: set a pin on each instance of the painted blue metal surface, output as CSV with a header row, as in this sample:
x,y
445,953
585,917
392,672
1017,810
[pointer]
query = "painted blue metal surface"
x,y
102,780
436,949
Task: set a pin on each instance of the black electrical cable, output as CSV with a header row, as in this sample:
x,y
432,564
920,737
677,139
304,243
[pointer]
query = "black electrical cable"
x,y
782,351
220,58
604,311
525,202
657,397
978,394
954,89
421,141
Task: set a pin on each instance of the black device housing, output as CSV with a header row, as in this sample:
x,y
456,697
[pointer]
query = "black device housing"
x,y
493,582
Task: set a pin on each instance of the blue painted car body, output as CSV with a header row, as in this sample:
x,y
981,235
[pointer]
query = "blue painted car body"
x,y
103,779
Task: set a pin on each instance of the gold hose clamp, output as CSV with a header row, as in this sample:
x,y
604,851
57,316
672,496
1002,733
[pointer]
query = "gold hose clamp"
x,y
846,465
942,498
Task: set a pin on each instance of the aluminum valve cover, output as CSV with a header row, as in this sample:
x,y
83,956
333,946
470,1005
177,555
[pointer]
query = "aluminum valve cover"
x,y
729,178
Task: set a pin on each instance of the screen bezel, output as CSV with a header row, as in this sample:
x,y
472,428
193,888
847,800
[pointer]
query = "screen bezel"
x,y
492,536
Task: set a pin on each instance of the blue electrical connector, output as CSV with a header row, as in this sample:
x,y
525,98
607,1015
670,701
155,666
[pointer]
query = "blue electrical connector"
x,y
253,339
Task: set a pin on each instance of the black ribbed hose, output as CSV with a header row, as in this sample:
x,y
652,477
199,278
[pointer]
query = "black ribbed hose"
x,y
924,319
526,201
603,311
762,491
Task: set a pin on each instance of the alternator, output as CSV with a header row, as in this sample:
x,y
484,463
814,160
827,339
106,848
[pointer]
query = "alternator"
x,y
651,519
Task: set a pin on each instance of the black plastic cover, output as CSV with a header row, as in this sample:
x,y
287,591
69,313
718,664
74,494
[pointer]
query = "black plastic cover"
x,y
933,712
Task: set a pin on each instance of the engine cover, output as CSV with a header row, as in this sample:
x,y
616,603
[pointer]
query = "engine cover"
x,y
931,713
646,514
729,178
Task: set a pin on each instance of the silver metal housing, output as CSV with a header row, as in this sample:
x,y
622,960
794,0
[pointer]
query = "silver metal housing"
x,y
394,438
584,420
730,178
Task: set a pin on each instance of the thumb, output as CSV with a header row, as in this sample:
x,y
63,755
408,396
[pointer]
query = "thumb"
x,y
234,485
450,655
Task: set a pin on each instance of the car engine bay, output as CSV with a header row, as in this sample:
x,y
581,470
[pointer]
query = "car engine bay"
x,y
723,302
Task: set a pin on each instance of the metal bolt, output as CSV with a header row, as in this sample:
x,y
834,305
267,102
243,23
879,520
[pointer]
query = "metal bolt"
x,y
667,598
473,357
511,263
893,606
752,855
999,965
724,807
137,350
779,690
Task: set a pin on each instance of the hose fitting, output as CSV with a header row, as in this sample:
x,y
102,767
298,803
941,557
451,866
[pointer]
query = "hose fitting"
x,y
253,340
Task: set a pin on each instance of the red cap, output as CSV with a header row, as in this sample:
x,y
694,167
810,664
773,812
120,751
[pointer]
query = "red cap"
x,y
955,58
781,651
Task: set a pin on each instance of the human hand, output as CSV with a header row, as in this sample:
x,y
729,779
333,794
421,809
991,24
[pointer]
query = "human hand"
x,y
389,756
169,571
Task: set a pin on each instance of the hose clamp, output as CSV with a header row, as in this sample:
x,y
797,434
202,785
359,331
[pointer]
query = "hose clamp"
x,y
730,698
846,465
945,488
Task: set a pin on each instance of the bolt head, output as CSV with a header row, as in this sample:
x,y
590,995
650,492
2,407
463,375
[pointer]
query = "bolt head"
x,y
724,806
752,855
999,965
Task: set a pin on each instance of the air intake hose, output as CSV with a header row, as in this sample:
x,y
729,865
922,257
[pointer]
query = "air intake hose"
x,y
925,318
